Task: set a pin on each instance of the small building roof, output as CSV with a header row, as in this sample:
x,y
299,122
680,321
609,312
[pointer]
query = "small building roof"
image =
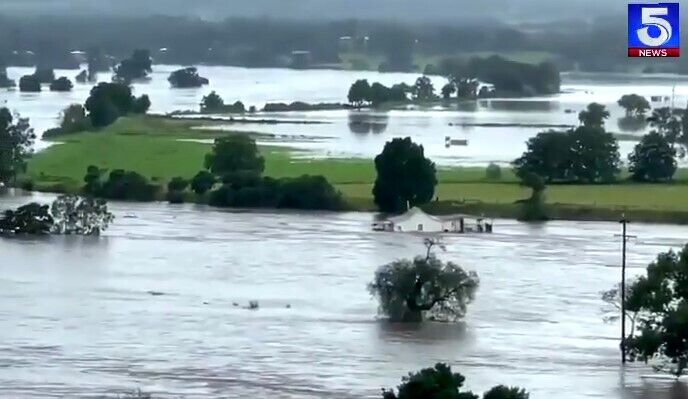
x,y
410,213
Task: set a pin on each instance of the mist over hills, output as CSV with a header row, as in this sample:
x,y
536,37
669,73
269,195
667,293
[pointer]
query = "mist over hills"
x,y
399,10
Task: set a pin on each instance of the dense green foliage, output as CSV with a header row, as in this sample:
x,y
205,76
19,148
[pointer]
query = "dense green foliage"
x,y
73,119
585,154
202,182
61,84
187,78
653,159
29,84
359,93
16,142
234,153
109,101
213,103
508,77
440,382
237,161
410,291
120,185
405,177
493,171
423,90
32,219
661,299
136,67
593,116
634,104
305,192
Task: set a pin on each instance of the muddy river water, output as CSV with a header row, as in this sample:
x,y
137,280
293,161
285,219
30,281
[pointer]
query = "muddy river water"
x,y
151,304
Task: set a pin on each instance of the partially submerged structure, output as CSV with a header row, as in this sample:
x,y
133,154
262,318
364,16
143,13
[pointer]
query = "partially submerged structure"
x,y
415,220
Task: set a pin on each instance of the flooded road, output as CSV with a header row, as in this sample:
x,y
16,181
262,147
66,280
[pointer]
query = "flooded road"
x,y
151,305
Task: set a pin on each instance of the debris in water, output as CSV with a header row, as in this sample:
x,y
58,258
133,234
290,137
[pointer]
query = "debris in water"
x,y
253,305
288,306
235,304
156,293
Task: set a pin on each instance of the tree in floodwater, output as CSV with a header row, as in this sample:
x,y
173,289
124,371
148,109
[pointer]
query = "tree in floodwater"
x,y
409,291
661,299
593,116
80,215
440,382
16,142
612,309
30,219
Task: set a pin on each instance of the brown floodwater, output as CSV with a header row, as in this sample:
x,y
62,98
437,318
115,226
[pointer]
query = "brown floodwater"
x,y
151,304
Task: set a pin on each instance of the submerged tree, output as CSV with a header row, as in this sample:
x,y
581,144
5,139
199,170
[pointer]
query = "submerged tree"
x,y
634,104
186,78
30,219
423,90
359,93
408,291
136,67
61,84
594,115
76,215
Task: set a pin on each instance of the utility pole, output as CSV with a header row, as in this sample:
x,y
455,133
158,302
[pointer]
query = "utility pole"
x,y
624,238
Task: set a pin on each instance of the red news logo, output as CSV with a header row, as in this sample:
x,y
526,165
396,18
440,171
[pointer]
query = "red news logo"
x,y
654,52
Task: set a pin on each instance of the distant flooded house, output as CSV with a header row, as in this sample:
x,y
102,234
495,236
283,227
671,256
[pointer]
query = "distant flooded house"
x,y
415,220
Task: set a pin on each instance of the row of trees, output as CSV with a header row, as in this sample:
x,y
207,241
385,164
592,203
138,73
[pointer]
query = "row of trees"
x,y
105,104
32,83
590,154
363,93
236,164
508,77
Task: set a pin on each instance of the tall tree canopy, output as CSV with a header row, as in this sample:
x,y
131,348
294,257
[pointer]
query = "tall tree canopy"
x,y
404,176
653,159
235,153
136,67
109,101
594,115
16,145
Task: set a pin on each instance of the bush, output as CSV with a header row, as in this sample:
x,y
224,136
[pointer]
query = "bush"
x,y
493,172
120,185
141,105
175,197
177,184
212,102
234,153
26,184
61,84
202,182
248,190
29,84
109,101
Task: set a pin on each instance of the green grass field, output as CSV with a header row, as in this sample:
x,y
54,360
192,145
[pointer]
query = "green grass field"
x,y
151,146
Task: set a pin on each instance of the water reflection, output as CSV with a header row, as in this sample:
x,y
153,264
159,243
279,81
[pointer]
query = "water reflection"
x,y
521,105
367,122
632,123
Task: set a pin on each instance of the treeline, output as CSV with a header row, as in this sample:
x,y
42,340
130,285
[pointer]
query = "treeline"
x,y
232,177
260,42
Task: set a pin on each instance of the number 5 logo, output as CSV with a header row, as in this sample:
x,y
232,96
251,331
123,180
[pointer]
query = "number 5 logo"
x,y
653,17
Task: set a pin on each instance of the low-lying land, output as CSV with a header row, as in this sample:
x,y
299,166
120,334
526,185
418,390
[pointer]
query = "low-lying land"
x,y
151,146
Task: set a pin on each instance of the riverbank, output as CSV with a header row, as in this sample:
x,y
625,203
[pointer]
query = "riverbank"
x,y
159,148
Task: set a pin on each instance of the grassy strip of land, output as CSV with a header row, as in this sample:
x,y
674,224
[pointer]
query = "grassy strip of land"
x,y
152,147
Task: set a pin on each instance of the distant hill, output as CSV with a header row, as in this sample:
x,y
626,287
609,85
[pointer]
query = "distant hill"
x,y
400,10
